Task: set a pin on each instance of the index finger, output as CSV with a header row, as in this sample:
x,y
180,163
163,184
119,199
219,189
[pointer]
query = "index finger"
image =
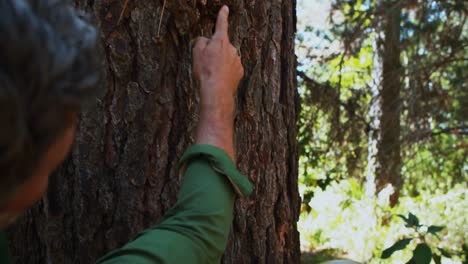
x,y
222,23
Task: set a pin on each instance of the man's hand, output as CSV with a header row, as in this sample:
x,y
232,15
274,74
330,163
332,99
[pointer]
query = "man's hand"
x,y
216,63
218,67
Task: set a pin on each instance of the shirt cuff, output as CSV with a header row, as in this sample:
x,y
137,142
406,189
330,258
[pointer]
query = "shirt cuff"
x,y
221,163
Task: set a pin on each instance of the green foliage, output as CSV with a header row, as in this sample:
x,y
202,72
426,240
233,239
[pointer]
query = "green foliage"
x,y
411,220
434,230
335,87
334,125
344,217
422,254
399,245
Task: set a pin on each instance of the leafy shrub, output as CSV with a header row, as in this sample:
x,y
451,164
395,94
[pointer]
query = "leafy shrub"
x,y
344,218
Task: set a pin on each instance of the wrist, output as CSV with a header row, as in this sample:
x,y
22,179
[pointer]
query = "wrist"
x,y
213,136
216,128
216,91
220,111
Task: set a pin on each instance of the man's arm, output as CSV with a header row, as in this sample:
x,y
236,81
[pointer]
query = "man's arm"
x,y
218,67
196,229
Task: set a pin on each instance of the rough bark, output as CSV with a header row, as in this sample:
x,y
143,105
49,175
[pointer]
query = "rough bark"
x,y
121,175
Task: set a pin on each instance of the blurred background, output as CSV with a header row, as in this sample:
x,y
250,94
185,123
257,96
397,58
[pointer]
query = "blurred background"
x,y
383,130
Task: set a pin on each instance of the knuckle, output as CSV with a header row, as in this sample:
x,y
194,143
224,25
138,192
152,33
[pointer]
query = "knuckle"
x,y
201,39
197,48
200,43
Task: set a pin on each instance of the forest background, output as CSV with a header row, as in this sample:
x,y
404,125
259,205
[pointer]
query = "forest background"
x,y
382,130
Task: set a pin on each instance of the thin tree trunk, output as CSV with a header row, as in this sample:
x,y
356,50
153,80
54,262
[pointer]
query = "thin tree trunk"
x,y
384,145
389,147
121,175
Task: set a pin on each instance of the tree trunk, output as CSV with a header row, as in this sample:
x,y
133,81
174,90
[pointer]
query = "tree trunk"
x,y
388,155
384,144
121,175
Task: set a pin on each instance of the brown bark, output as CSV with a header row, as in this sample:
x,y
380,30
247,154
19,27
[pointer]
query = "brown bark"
x,y
121,175
388,147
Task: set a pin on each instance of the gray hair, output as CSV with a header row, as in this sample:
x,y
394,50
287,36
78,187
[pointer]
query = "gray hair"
x,y
49,65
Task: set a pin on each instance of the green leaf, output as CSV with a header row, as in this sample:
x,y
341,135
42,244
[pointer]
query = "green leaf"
x,y
445,253
434,229
422,254
399,245
413,221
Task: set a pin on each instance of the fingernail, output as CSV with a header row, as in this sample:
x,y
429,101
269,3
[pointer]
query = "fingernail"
x,y
226,8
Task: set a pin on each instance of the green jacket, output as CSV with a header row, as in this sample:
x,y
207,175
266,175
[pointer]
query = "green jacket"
x,y
196,229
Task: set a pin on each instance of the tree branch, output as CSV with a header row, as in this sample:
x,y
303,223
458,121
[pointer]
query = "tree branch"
x,y
423,134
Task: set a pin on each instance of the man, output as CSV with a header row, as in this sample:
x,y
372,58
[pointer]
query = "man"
x,y
48,68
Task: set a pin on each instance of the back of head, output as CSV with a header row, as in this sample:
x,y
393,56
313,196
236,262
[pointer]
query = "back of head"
x,y
48,67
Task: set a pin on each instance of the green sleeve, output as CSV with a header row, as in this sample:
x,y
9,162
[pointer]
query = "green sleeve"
x,y
4,254
196,229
